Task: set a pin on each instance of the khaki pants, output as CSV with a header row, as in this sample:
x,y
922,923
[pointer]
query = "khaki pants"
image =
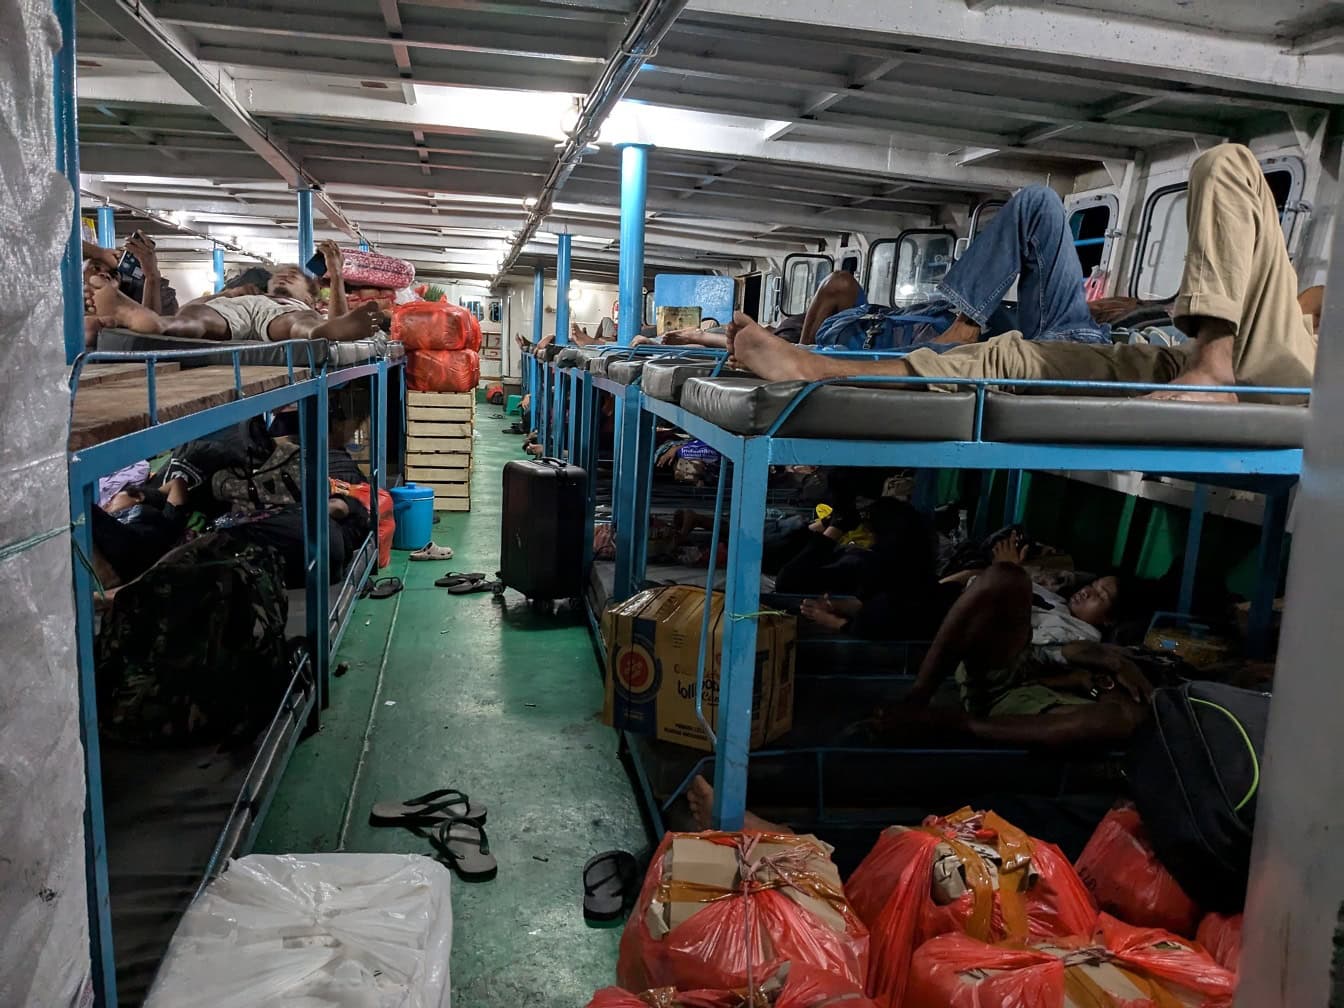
x,y
1236,270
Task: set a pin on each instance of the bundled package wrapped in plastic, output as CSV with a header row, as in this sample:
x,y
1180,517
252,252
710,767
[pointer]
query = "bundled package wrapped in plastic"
x,y
718,909
970,872
787,987
1221,937
433,325
387,522
475,337
373,269
442,370
339,930
1117,967
1127,880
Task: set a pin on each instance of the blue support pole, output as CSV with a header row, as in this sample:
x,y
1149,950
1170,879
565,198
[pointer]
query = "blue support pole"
x,y
306,246
634,196
217,259
1193,535
538,303
1269,567
629,467
67,163
107,228
316,549
562,268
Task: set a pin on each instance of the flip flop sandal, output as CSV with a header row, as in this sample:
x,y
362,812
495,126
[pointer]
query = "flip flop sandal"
x,y
433,551
428,810
382,588
453,579
472,587
610,885
466,849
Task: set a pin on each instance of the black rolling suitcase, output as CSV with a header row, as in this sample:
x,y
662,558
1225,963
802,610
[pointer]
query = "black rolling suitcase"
x,y
541,552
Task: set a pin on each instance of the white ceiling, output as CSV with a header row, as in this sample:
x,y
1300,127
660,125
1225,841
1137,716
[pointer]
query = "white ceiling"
x,y
777,123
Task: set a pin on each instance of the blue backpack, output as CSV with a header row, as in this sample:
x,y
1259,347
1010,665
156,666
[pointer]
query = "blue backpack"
x,y
869,328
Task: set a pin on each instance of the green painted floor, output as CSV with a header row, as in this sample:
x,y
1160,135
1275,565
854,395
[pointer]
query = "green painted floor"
x,y
503,703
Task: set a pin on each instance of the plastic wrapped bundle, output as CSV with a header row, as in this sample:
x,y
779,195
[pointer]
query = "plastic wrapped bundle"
x,y
387,524
971,872
718,909
1127,880
474,340
1117,967
442,370
1221,937
373,269
789,987
432,325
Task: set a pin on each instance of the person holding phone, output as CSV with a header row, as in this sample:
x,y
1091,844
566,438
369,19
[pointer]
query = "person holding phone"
x,y
286,311
135,270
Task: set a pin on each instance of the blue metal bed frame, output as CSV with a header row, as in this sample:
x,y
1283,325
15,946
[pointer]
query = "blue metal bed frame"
x,y
752,456
308,691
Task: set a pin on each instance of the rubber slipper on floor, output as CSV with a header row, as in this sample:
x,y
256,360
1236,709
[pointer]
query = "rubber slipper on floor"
x,y
472,587
433,551
453,579
427,810
382,588
610,885
465,847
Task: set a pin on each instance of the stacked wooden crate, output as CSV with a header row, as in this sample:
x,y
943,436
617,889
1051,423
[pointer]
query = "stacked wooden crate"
x,y
439,445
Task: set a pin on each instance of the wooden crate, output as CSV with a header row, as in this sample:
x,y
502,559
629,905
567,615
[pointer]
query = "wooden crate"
x,y
449,496
442,400
452,503
447,472
417,444
439,414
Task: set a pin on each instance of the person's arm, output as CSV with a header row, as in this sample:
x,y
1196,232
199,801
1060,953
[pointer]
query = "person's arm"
x,y
143,249
331,255
1112,661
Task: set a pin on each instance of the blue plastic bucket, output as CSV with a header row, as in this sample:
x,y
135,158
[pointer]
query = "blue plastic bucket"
x,y
413,511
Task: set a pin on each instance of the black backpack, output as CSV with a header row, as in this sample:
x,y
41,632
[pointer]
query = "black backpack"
x,y
1194,771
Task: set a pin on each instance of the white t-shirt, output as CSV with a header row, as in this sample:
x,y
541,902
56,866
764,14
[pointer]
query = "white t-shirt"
x,y
1054,626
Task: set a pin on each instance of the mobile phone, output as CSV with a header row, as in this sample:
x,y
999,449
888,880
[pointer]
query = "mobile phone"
x,y
131,276
317,265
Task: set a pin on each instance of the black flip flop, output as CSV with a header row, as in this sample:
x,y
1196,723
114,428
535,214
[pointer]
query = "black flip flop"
x,y
466,849
427,810
453,579
472,587
610,885
382,588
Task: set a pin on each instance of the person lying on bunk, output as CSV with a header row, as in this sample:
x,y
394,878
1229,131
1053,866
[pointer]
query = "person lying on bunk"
x,y
138,526
155,292
286,311
1238,303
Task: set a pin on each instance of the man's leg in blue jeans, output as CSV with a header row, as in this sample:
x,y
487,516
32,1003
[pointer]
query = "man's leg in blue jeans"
x,y
1028,241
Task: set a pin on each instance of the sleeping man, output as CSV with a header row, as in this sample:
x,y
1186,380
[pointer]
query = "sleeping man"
x,y
285,312
1238,303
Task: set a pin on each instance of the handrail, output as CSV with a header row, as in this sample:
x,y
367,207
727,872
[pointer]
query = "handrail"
x,y
981,385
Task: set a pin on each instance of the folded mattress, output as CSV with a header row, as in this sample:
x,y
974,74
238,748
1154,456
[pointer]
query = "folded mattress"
x,y
258,353
664,377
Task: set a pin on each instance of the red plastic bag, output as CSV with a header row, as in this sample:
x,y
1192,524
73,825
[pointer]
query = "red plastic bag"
x,y
1038,894
1221,936
783,892
443,370
1119,966
387,525
432,325
373,269
474,336
802,987
1127,880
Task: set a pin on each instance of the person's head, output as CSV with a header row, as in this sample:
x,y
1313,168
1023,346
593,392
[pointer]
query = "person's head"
x,y
291,281
1097,602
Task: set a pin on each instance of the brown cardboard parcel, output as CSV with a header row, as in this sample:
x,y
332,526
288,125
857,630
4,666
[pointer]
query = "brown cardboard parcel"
x,y
653,646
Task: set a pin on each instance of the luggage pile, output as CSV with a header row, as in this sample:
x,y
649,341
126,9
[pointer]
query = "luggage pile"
x,y
374,278
443,343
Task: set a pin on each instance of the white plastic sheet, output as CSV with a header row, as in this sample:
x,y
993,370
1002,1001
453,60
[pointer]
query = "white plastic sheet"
x,y
314,931
43,904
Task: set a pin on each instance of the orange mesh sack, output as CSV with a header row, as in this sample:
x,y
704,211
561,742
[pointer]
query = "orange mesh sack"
x,y
1118,967
1221,936
1127,880
718,909
442,370
474,331
387,525
788,987
971,872
431,325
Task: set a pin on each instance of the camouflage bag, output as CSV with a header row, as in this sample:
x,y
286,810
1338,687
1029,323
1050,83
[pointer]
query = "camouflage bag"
x,y
275,483
194,651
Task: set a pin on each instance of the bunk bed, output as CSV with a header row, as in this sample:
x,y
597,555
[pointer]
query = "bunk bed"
x,y
982,425
160,824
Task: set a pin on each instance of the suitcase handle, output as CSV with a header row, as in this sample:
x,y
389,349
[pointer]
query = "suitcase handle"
x,y
554,463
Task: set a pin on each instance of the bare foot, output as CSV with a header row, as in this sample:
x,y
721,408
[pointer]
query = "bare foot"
x,y
761,352
361,323
1197,378
700,796
110,303
963,330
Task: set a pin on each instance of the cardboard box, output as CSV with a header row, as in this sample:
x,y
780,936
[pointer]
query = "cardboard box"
x,y
1195,643
700,865
653,646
